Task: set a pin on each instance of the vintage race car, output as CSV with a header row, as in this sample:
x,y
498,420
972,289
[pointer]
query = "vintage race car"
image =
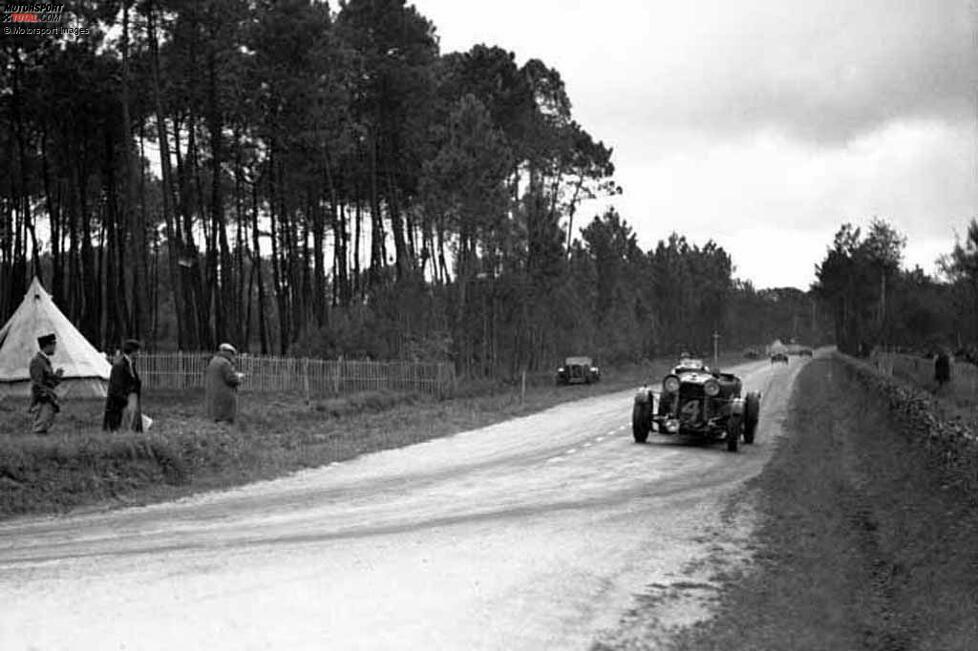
x,y
578,370
699,402
779,358
805,352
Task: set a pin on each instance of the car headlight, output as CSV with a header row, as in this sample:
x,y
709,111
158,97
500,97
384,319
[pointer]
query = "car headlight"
x,y
560,370
711,388
670,384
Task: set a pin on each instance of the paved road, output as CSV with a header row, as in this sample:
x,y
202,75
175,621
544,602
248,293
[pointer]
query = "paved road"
x,y
535,533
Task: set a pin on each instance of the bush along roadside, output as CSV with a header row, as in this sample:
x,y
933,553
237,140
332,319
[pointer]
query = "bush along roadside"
x,y
950,443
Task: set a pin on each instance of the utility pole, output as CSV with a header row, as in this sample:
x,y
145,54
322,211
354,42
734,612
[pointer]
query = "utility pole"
x,y
716,348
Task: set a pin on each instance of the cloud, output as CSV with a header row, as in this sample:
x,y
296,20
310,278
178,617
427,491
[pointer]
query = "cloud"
x,y
824,72
821,70
774,202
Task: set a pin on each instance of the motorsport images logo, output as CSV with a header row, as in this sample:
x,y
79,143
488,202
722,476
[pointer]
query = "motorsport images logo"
x,y
37,19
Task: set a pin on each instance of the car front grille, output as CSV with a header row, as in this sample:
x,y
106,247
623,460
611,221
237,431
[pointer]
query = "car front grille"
x,y
690,411
689,391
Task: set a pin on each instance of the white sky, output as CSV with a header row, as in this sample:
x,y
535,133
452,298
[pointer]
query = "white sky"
x,y
763,124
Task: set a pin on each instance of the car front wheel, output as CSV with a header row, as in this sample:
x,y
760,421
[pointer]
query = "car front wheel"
x,y
735,427
752,410
641,421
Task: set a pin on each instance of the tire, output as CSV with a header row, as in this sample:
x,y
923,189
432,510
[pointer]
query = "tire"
x,y
752,413
641,421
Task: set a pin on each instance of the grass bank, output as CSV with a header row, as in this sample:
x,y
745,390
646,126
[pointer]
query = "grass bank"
x,y
958,398
80,466
867,540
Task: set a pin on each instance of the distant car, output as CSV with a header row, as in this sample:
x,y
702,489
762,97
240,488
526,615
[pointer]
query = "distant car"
x,y
752,353
779,358
578,370
700,402
805,352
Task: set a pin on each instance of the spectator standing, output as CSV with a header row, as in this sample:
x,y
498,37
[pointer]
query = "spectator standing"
x,y
221,382
122,404
45,403
942,368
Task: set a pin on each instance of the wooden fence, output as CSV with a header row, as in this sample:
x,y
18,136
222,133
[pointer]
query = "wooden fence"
x,y
301,376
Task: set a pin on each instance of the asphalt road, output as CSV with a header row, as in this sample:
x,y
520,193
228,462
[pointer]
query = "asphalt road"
x,y
536,533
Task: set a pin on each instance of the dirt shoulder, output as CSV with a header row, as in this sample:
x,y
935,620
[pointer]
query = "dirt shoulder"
x,y
863,541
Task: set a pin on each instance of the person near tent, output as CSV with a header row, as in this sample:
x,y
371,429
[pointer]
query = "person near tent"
x,y
221,382
942,368
45,403
122,404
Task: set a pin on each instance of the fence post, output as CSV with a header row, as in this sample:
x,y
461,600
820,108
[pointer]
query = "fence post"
x,y
336,377
305,376
523,388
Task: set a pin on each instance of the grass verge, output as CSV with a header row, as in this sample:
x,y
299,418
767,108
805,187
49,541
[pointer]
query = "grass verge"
x,y
865,542
80,466
958,398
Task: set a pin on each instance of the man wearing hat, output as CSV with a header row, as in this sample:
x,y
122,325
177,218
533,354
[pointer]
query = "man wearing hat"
x,y
125,389
221,385
44,400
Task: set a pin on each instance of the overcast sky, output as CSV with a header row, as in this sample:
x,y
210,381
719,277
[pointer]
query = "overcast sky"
x,y
763,124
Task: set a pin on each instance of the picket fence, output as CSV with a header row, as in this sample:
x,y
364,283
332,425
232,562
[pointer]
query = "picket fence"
x,y
301,376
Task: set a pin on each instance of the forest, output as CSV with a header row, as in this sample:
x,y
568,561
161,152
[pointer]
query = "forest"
x,y
307,179
874,301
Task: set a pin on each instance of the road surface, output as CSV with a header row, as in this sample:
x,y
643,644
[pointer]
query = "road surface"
x,y
536,533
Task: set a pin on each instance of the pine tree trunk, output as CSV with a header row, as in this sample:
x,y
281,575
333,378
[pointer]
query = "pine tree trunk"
x,y
174,243
256,264
137,323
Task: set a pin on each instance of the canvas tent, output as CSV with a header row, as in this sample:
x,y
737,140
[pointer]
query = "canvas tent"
x,y
776,347
86,371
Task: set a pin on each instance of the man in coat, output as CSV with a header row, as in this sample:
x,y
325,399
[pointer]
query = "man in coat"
x,y
221,385
125,388
44,401
942,368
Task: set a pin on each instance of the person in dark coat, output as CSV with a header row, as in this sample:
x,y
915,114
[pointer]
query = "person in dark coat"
x,y
125,390
221,382
44,400
942,368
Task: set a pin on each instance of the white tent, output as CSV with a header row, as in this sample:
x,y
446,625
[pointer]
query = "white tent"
x,y
86,371
776,347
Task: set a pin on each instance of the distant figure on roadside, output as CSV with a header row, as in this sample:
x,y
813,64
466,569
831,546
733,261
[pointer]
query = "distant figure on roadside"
x,y
221,385
44,401
123,403
942,368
